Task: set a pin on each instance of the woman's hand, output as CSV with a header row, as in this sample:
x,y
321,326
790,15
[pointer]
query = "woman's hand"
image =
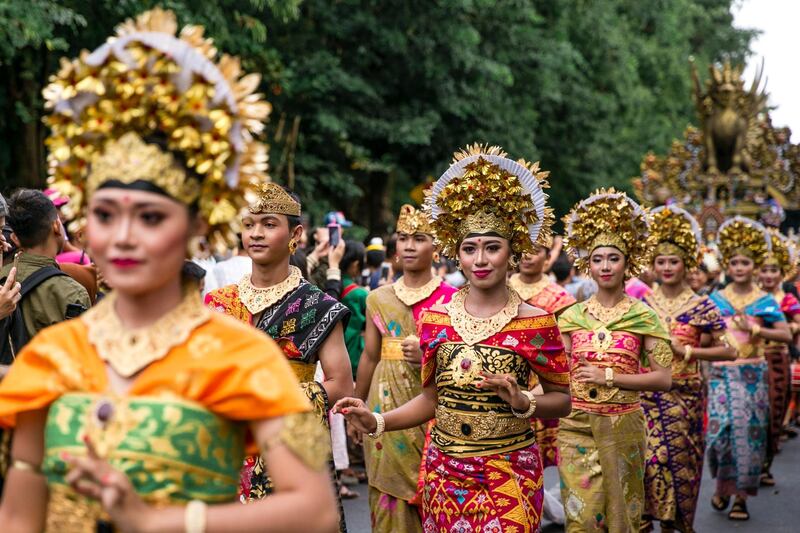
x,y
95,478
741,323
357,414
678,347
587,373
411,350
505,386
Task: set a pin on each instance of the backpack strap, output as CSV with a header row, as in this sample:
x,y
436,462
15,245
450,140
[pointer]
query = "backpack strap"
x,y
39,277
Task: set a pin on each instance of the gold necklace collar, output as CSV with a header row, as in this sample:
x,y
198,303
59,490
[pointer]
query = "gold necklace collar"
x,y
473,329
256,299
528,290
740,301
608,315
669,308
130,350
413,295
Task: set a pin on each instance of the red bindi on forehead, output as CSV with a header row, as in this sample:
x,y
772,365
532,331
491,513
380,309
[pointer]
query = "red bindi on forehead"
x,y
126,199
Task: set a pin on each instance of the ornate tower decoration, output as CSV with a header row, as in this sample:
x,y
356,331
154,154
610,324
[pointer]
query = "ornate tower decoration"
x,y
735,163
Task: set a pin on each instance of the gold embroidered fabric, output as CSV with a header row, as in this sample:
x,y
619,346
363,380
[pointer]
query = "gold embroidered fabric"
x,y
607,315
740,301
256,299
528,290
473,329
661,353
129,351
305,437
670,308
414,295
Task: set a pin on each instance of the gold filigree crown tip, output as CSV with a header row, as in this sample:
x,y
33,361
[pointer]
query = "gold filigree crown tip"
x,y
272,198
412,220
130,159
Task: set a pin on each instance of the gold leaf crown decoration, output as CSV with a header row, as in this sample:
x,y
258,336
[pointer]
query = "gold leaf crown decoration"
x,y
272,198
782,252
609,218
483,191
412,220
147,81
676,232
743,236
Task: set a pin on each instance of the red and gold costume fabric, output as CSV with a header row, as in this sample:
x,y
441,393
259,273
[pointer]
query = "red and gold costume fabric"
x,y
675,436
483,468
778,361
601,443
552,298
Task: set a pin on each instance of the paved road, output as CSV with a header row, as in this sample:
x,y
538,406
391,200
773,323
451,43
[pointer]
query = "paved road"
x,y
774,510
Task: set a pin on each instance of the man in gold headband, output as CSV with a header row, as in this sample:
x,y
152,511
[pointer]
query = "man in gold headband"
x,y
305,322
389,375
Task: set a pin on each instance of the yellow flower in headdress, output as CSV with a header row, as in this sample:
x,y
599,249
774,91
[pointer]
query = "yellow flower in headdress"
x,y
743,236
485,192
609,218
146,86
782,254
676,232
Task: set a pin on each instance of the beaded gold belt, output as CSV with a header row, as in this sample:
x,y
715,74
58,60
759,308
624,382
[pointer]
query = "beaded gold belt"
x,y
392,349
479,426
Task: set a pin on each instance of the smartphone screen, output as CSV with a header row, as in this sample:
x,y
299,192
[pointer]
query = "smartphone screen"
x,y
385,271
334,232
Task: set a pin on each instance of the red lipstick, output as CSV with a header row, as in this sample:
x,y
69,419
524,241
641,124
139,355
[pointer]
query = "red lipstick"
x,y
125,262
481,274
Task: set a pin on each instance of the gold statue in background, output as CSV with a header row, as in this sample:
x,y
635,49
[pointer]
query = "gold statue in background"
x,y
727,112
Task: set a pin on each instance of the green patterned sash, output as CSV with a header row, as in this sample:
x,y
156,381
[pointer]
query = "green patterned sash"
x,y
171,449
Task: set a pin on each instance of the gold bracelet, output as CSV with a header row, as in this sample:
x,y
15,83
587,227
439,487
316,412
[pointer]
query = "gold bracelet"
x,y
25,466
687,348
381,426
531,407
195,516
609,377
756,330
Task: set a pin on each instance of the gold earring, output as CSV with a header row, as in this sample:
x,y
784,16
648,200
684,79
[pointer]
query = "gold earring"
x,y
513,263
436,257
292,246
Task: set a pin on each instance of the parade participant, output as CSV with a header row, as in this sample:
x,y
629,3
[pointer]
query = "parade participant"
x,y
136,414
483,469
536,289
306,323
389,374
610,337
674,418
738,399
779,265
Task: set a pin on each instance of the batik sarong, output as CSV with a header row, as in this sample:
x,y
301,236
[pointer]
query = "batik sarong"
x,y
738,416
602,471
675,447
500,492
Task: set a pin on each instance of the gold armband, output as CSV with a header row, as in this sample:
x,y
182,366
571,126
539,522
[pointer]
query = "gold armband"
x,y
661,353
19,464
304,435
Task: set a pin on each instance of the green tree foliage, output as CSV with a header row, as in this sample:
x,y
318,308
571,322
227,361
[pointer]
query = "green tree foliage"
x,y
371,97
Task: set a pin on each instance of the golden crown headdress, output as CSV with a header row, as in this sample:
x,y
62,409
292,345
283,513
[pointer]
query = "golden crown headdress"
x,y
782,252
676,232
609,218
146,82
740,235
412,220
483,191
272,198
